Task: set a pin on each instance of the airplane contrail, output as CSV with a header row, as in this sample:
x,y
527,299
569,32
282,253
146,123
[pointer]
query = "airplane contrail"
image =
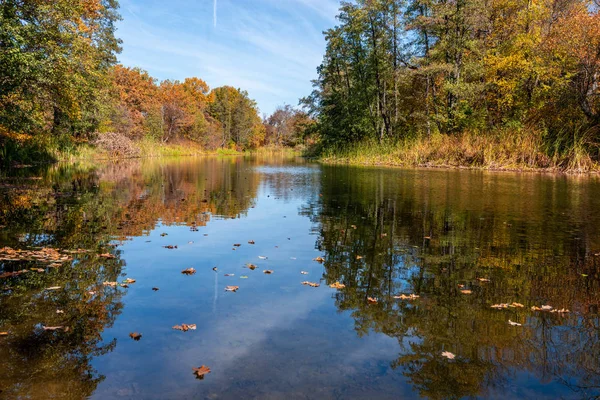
x,y
215,13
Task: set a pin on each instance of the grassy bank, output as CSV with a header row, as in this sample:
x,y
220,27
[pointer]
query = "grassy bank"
x,y
526,151
40,151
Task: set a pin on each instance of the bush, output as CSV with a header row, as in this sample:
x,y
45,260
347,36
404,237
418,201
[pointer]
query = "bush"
x,y
117,145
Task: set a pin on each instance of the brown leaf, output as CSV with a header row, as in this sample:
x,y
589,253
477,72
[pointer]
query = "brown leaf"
x,y
129,280
268,271
251,242
54,328
189,271
466,291
337,285
237,244
3,333
371,300
311,284
483,279
231,288
155,289
170,247
251,266
111,284
135,336
319,259
359,257
53,288
407,297
106,255
201,371
185,327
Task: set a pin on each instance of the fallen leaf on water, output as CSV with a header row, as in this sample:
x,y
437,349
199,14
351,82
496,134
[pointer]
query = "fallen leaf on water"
x,y
251,266
201,371
155,289
263,257
54,328
268,271
124,285
251,242
111,284
311,284
3,333
561,311
106,255
359,257
383,234
215,269
512,323
407,297
499,306
135,336
129,280
516,305
319,259
337,285
371,300
542,308
53,288
231,288
460,286
190,242
60,312
448,355
237,244
427,238
170,247
243,277
353,226
185,327
189,271
304,272
229,274
163,234
466,291
483,279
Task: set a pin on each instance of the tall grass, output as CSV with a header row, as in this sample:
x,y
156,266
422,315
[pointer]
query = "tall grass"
x,y
503,150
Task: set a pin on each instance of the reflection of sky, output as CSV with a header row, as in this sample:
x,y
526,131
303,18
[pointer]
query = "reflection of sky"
x,y
274,338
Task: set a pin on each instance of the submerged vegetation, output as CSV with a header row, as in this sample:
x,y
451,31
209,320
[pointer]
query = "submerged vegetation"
x,y
465,82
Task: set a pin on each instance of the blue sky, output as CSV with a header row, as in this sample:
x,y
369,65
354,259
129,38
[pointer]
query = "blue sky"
x,y
270,48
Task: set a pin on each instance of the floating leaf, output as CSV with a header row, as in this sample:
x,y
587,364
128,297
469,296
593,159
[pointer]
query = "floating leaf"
x,y
185,327
135,336
129,280
359,257
54,328
337,285
106,255
371,300
237,244
229,274
304,272
512,323
542,308
448,355
215,269
201,371
466,291
189,271
263,257
243,277
111,284
268,271
53,288
231,288
407,297
163,234
251,242
60,312
251,266
155,289
483,279
561,311
319,259
353,226
170,247
3,333
311,284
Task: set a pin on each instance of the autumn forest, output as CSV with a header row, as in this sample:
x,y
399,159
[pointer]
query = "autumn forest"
x,y
498,84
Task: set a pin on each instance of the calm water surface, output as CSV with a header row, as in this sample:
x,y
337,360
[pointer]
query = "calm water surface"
x,y
382,233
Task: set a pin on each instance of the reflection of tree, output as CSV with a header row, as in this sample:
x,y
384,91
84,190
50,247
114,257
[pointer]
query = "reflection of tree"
x,y
386,233
74,209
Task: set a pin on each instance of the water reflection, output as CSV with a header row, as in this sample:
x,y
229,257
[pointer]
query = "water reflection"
x,y
440,235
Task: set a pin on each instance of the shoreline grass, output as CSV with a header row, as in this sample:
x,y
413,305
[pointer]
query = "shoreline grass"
x,y
504,151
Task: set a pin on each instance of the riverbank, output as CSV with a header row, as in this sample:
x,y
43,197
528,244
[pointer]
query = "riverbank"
x,y
506,152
